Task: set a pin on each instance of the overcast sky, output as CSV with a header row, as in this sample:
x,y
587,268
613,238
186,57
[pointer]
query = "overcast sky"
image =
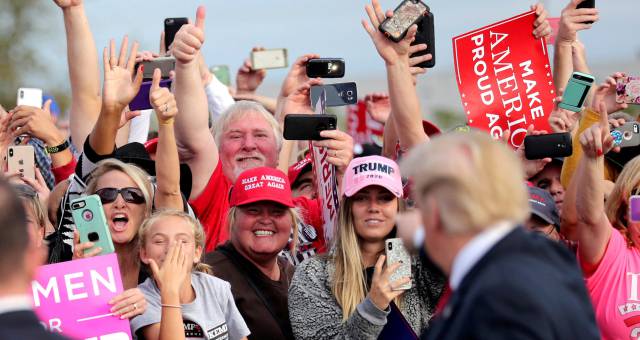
x,y
330,28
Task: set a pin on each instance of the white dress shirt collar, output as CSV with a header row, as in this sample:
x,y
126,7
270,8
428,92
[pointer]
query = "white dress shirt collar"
x,y
473,251
14,303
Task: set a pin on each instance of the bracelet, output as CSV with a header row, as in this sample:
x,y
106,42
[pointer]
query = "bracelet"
x,y
55,149
170,306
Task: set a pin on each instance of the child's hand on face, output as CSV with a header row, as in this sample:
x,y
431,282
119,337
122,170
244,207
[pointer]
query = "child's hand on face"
x,y
174,269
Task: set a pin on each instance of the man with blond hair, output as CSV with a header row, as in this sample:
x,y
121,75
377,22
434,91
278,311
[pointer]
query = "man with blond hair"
x,y
505,282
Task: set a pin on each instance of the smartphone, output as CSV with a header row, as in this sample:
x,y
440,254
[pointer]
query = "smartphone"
x,y
165,64
273,58
308,127
396,252
628,90
141,100
548,146
409,12
634,208
91,223
426,35
587,4
325,68
21,158
222,73
576,91
339,94
171,27
29,97
626,135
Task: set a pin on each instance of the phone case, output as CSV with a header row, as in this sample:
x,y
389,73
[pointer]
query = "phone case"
x,y
222,73
171,27
626,135
409,12
141,100
634,208
268,59
29,97
576,91
165,64
307,127
325,68
396,252
548,146
339,94
426,35
21,158
628,90
91,223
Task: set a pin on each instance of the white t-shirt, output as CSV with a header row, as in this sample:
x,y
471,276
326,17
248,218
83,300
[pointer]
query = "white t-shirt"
x,y
212,315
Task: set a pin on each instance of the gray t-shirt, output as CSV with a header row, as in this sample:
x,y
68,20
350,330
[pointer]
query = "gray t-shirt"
x,y
212,315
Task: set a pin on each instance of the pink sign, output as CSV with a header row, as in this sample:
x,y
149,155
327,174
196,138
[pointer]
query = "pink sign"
x,y
72,298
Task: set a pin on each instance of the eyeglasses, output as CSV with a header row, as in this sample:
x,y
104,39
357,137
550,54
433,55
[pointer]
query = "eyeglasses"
x,y
130,195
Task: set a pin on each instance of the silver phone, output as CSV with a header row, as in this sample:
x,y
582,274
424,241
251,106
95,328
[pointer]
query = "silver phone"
x,y
396,252
29,97
274,58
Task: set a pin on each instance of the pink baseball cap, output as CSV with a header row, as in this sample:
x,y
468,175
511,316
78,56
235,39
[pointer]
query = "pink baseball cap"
x,y
372,170
261,184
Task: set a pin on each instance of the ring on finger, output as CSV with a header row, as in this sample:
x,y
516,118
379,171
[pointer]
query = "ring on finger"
x,y
135,306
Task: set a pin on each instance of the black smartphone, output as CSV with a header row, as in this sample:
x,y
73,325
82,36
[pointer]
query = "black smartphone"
x,y
325,68
409,12
339,94
171,27
426,35
587,4
165,64
548,146
307,127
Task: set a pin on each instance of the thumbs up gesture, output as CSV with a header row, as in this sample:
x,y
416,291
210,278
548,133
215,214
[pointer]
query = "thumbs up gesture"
x,y
189,39
162,100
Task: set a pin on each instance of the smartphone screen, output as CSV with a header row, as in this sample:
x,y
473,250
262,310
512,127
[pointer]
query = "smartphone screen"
x,y
634,208
403,17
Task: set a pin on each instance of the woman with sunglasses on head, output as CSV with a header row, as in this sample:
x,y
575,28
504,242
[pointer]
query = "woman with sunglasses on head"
x,y
126,192
352,286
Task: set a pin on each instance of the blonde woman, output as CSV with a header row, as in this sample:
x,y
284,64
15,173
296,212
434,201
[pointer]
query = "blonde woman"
x,y
184,300
347,293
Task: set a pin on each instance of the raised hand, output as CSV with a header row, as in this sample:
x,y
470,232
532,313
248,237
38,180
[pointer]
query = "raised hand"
x,y
339,148
606,93
378,106
297,75
597,140
67,3
119,88
300,100
174,270
531,166
562,120
36,122
189,39
162,100
390,51
381,292
413,61
573,20
248,79
541,26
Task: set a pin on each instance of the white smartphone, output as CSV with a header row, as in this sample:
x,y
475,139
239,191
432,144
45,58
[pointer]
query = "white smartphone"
x,y
21,158
396,252
29,97
273,58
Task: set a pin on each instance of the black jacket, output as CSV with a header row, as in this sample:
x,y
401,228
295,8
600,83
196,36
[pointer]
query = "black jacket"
x,y
525,287
23,325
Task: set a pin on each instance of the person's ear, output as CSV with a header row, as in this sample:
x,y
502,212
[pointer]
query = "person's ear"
x,y
197,255
143,256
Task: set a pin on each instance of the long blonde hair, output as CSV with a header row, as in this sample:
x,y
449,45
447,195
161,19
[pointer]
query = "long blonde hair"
x,y
348,284
198,233
617,206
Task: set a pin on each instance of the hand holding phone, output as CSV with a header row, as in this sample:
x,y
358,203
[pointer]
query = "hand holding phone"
x,y
627,135
548,146
408,13
339,94
165,64
307,126
397,253
171,27
576,91
91,223
29,97
141,100
426,35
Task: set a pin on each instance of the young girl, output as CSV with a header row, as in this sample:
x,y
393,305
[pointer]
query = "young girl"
x,y
184,301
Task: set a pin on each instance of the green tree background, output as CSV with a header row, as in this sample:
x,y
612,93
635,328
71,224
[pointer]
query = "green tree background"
x,y
20,65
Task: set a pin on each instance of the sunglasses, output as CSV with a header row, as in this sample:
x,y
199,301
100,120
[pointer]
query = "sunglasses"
x,y
130,195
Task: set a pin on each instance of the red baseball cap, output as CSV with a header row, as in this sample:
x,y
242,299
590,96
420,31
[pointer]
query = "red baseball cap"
x,y
261,184
296,169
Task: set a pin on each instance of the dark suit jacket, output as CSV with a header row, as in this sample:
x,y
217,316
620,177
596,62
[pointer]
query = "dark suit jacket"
x,y
23,325
525,287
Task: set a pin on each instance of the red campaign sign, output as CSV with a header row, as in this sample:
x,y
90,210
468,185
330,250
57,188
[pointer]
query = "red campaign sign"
x,y
361,127
504,78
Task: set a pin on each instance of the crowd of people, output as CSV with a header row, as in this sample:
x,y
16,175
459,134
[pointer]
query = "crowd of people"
x,y
218,226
